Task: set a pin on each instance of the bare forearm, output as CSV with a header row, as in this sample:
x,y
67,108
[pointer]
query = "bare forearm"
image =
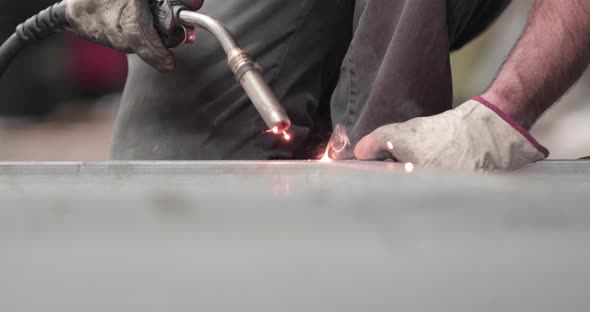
x,y
552,54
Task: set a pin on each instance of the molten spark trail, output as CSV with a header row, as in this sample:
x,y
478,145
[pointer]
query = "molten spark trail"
x,y
409,167
286,136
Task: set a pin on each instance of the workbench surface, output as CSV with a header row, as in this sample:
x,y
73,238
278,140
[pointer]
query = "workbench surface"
x,y
292,236
297,183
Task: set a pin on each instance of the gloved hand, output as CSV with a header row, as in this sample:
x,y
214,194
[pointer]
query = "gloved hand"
x,y
475,136
126,25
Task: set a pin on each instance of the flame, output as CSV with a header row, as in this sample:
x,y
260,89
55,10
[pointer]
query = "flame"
x,y
390,145
326,158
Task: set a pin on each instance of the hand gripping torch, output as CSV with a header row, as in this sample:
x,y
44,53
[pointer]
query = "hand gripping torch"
x,y
176,25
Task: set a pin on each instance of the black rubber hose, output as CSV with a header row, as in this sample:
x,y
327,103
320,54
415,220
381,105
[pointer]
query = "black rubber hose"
x,y
9,50
37,28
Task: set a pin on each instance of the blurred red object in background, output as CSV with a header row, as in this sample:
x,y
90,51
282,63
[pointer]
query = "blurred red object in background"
x,y
95,68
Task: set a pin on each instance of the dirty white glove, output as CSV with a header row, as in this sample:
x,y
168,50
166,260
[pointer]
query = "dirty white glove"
x,y
474,136
126,25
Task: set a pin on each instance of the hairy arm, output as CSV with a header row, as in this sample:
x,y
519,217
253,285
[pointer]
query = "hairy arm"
x,y
550,57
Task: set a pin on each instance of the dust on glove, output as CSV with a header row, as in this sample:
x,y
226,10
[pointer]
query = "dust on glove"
x,y
474,136
125,25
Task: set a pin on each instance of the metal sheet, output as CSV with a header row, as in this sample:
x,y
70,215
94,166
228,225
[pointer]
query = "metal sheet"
x,y
292,236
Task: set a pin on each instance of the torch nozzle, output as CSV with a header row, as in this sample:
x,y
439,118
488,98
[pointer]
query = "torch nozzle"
x,y
247,73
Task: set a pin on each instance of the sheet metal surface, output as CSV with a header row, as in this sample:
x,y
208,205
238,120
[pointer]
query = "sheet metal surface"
x,y
292,236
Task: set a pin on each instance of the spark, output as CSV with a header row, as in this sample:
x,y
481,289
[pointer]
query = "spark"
x,y
191,37
275,130
409,167
390,145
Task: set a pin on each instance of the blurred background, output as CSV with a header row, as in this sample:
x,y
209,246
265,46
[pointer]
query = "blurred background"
x,y
59,99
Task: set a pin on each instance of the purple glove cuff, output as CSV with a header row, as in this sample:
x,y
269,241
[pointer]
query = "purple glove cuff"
x,y
542,149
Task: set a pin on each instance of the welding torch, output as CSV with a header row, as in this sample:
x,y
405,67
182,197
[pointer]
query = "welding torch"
x,y
176,25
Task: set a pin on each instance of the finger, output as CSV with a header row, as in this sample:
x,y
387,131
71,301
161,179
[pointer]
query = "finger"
x,y
152,51
373,147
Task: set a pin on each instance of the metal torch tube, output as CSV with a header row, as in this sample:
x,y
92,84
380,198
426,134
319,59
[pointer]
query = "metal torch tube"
x,y
247,72
215,27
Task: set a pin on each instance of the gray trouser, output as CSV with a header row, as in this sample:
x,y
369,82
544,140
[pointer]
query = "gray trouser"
x,y
396,67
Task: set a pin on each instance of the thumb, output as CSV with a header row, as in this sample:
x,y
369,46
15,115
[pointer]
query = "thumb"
x,y
140,34
373,147
160,58
150,48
